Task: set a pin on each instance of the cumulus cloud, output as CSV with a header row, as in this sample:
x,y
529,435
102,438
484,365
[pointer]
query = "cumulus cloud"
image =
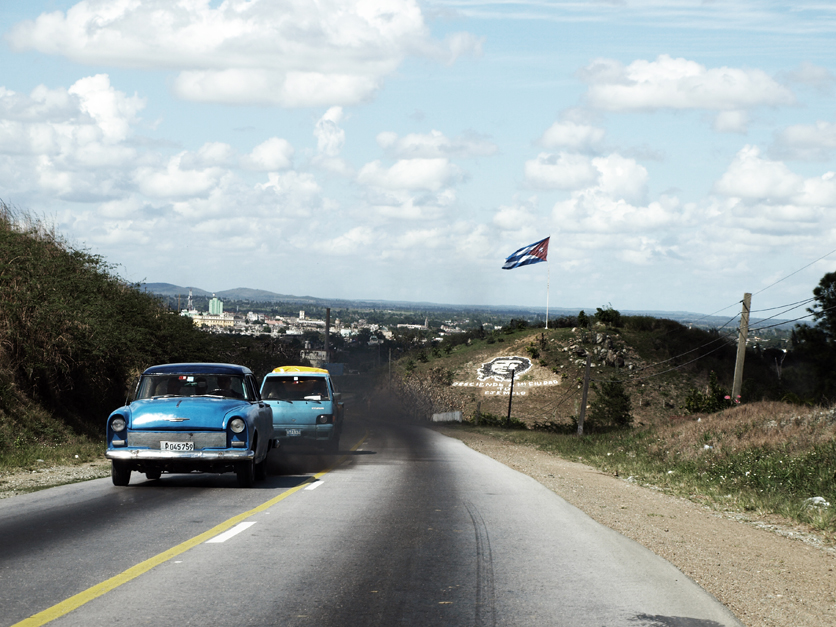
x,y
562,171
731,122
355,241
271,155
572,135
612,175
807,141
409,174
68,142
669,83
756,180
435,144
288,53
329,136
175,181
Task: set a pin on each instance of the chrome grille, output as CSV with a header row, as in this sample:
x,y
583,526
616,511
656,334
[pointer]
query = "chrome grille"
x,y
201,439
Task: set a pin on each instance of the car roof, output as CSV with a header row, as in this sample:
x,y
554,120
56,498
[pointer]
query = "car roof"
x,y
199,368
299,370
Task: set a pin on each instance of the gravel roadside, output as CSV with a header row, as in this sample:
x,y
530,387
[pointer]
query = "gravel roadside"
x,y
766,572
21,482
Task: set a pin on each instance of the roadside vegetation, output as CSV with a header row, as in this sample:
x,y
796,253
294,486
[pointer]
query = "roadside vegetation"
x,y
73,338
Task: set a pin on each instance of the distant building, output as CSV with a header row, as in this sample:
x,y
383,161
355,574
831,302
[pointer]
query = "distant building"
x,y
216,306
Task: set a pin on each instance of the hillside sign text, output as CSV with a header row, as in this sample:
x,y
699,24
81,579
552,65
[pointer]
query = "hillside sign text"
x,y
495,377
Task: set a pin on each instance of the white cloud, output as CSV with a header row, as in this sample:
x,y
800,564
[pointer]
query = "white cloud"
x,y
564,171
435,144
291,53
621,177
812,75
612,175
271,155
175,181
356,241
756,180
113,111
410,174
329,136
572,135
731,122
669,83
519,218
807,141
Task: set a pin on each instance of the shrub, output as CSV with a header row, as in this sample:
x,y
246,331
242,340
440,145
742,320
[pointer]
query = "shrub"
x,y
612,406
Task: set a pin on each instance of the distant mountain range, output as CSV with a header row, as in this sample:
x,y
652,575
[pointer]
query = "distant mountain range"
x,y
264,296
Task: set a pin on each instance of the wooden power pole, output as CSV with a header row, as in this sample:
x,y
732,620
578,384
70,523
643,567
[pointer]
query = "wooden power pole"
x,y
741,346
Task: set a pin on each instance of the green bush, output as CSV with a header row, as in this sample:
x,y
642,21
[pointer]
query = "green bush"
x,y
713,400
611,407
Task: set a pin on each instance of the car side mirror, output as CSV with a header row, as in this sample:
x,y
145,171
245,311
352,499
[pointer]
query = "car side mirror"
x,y
338,396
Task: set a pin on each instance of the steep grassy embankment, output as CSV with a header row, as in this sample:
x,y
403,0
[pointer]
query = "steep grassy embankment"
x,y
73,337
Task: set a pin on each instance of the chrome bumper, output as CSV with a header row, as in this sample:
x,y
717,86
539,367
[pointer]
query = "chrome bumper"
x,y
152,455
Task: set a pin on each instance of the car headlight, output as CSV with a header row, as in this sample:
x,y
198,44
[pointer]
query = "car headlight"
x,y
236,425
118,424
323,419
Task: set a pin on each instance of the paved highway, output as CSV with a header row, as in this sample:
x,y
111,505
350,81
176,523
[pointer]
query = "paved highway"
x,y
411,528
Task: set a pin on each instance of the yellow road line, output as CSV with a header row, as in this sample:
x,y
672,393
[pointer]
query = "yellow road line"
x,y
76,601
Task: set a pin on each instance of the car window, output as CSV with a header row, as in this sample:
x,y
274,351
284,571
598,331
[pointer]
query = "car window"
x,y
218,385
295,388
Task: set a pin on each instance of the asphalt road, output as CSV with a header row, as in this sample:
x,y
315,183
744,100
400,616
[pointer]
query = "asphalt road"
x,y
412,528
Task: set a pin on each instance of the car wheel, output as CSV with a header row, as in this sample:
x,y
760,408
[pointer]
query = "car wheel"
x,y
120,474
245,471
261,470
153,475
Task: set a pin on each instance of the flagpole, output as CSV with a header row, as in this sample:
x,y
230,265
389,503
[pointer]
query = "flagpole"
x,y
548,284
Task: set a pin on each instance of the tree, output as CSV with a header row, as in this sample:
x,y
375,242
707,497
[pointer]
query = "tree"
x,y
612,406
824,311
816,345
609,316
583,319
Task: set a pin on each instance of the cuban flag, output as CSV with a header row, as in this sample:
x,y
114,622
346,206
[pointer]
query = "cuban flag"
x,y
533,253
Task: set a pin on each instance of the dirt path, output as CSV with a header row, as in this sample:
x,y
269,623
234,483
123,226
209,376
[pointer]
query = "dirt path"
x,y
766,574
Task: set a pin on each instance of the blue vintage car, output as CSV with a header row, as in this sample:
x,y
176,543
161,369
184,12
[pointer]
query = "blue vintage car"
x,y
307,409
187,417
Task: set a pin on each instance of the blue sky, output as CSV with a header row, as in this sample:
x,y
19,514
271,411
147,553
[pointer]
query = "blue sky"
x,y
678,153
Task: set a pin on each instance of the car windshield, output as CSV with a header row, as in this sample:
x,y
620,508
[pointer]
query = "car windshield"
x,y
161,385
295,388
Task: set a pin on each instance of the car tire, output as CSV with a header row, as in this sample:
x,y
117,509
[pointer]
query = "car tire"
x,y
153,475
245,471
261,470
120,474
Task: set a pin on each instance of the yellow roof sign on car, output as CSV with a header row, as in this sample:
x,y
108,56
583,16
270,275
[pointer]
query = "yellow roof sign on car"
x,y
286,369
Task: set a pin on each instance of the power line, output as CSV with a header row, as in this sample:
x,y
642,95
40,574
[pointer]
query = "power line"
x,y
796,272
790,305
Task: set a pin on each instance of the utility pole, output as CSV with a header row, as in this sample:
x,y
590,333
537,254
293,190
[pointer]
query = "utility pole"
x,y
327,335
741,346
582,413
510,397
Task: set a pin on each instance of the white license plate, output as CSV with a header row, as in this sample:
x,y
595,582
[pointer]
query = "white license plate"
x,y
176,446
294,432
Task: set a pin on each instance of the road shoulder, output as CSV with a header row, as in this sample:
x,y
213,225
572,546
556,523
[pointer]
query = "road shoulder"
x,y
764,577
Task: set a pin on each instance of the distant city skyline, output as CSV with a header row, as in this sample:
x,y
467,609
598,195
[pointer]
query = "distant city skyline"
x,y
678,153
